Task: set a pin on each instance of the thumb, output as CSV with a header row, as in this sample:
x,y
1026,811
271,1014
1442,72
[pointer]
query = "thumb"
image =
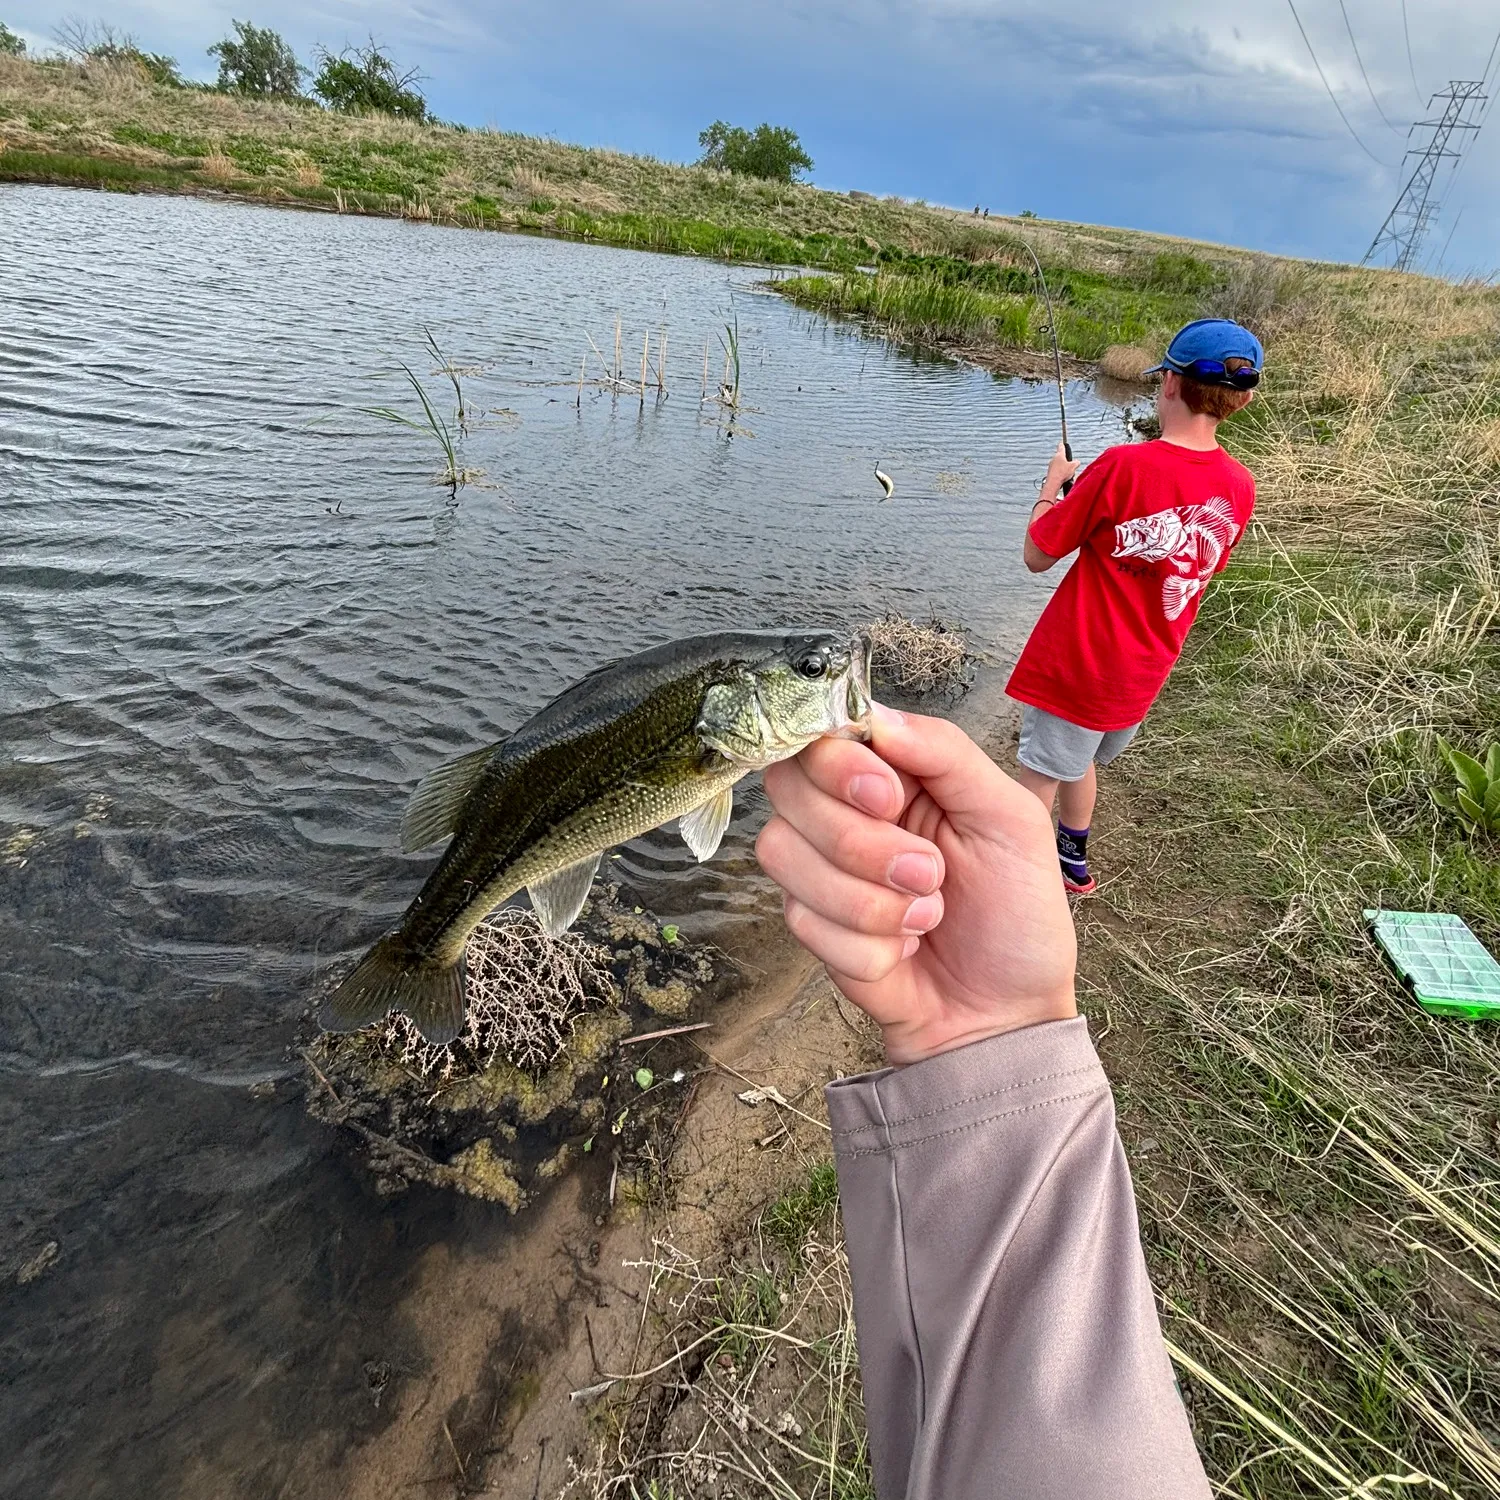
x,y
955,772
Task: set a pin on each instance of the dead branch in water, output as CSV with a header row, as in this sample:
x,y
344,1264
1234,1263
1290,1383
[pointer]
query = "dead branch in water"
x,y
920,658
526,993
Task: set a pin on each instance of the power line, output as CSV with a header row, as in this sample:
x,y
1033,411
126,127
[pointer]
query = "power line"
x,y
1484,114
1368,85
1409,63
1329,87
1415,209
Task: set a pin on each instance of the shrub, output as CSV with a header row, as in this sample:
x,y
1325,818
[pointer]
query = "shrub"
x,y
10,44
258,62
101,43
363,79
772,152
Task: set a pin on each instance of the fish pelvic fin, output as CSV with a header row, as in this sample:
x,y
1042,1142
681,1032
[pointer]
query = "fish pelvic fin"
x,y
432,813
559,898
394,976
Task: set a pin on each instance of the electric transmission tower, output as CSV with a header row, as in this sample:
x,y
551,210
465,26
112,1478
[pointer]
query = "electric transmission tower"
x,y
1416,208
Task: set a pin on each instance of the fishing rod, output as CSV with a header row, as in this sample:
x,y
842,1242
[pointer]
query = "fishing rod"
x,y
1062,405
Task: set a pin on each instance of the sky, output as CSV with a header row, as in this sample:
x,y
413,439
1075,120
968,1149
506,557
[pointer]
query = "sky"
x,y
1206,121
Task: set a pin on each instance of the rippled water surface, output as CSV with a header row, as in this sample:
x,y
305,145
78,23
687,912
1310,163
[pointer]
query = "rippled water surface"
x,y
238,621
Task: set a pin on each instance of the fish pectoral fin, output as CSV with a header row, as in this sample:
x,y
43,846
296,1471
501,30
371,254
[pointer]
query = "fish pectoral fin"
x,y
559,898
703,828
432,813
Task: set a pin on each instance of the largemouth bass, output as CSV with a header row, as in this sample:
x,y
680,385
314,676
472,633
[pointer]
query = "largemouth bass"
x,y
662,735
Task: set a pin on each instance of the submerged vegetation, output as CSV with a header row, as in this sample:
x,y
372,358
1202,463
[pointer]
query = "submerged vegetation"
x,y
550,1071
919,657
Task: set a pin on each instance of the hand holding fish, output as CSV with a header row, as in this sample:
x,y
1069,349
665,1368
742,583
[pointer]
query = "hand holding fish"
x,y
926,880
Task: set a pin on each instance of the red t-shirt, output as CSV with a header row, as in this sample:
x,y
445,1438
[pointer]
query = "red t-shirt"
x,y
1152,523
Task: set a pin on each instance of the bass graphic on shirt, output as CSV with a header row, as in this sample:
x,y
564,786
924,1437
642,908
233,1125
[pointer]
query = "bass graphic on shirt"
x,y
1192,538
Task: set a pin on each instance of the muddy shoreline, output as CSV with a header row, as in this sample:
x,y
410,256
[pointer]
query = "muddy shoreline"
x,y
508,1395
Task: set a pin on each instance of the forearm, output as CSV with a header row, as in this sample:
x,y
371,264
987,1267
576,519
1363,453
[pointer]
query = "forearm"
x,y
1008,1337
1037,560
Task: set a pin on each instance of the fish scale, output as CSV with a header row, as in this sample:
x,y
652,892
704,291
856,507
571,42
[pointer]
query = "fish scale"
x,y
661,735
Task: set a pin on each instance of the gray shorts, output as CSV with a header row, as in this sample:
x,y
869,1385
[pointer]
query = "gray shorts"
x,y
1062,750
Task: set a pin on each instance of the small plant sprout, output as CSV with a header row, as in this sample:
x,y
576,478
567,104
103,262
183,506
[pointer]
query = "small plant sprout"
x,y
446,434
444,366
644,1078
432,422
729,389
669,933
1475,801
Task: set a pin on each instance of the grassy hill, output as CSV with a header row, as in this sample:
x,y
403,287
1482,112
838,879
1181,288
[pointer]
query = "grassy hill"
x,y
106,125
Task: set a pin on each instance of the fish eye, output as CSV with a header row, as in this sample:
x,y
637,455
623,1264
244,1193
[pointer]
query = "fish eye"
x,y
813,665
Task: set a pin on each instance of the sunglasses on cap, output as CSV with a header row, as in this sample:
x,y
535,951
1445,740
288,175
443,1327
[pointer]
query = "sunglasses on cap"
x,y
1238,373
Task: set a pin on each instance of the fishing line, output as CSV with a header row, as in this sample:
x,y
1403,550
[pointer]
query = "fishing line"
x,y
1062,405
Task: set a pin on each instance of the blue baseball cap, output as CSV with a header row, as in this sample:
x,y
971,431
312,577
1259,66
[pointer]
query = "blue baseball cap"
x,y
1201,351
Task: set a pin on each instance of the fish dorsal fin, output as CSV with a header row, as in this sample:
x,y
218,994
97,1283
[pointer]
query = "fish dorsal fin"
x,y
703,828
432,813
559,898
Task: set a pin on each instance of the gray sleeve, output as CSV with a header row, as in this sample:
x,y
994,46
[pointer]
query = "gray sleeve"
x,y
1008,1336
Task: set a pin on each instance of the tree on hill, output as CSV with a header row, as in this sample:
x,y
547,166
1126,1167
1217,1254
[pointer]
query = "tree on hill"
x,y
257,61
360,79
10,44
769,151
86,41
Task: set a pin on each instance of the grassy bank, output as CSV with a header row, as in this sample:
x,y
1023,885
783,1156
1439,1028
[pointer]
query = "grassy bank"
x,y
106,125
982,298
1316,1157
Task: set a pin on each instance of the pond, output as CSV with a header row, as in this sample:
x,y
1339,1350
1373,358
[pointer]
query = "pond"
x,y
238,621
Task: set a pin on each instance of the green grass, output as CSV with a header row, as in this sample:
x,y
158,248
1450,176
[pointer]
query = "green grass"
x,y
85,171
789,1221
943,298
166,141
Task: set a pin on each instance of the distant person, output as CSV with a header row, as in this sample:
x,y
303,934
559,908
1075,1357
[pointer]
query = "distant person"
x,y
1151,523
1008,1339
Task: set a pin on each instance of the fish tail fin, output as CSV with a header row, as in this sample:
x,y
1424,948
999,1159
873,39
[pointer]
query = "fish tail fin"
x,y
395,976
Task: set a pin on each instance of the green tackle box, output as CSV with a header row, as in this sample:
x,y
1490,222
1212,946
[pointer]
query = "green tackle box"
x,y
1449,969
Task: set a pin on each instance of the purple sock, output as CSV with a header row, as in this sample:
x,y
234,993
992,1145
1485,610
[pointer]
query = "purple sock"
x,y
1073,851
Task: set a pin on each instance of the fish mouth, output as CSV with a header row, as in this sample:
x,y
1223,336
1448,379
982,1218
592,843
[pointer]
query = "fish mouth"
x,y
857,692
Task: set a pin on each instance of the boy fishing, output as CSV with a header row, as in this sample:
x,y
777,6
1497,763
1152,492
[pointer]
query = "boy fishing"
x,y
1151,523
